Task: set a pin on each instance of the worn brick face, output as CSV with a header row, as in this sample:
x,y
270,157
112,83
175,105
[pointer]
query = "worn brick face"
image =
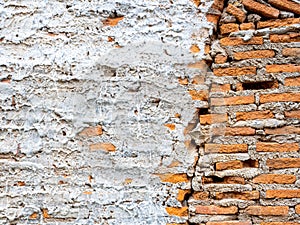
x,y
267,210
254,54
254,115
219,148
276,147
236,100
275,179
216,210
261,9
283,193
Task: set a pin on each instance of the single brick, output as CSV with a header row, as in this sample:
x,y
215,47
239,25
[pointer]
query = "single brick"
x,y
235,71
91,131
279,223
220,87
112,21
232,131
247,26
174,211
194,48
283,193
283,163
213,18
292,81
229,27
239,14
200,195
219,148
254,54
216,210
267,210
229,165
236,100
103,146
289,68
287,5
276,147
297,209
285,38
234,41
278,23
220,59
291,52
254,115
261,9
284,97
274,179
213,118
293,114
181,194
230,223
171,126
283,130
218,4
247,195
199,95
173,178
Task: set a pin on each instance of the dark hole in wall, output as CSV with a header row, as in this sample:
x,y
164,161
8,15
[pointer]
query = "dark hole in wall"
x,y
260,85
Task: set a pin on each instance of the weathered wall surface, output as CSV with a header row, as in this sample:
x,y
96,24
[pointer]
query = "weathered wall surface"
x,y
93,115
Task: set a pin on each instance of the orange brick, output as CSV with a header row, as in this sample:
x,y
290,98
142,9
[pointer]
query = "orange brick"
x,y
213,18
278,23
247,195
173,211
183,81
283,130
220,87
112,21
232,131
234,41
173,178
196,2
229,165
229,27
237,100
297,209
261,9
286,5
292,81
293,114
194,48
218,4
213,118
254,54
279,223
254,115
181,194
199,95
282,163
34,216
285,38
291,52
219,148
267,210
284,97
45,213
239,14
276,147
91,131
229,223
171,126
283,193
274,179
289,68
200,195
216,210
103,146
247,26
235,71
220,59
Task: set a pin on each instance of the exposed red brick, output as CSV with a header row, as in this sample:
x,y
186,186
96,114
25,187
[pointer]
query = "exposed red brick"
x,y
213,118
200,195
293,114
290,68
220,87
220,59
171,126
173,178
103,146
112,21
239,14
286,5
261,9
279,223
254,54
254,115
194,48
267,210
283,193
247,195
229,27
182,193
229,165
297,209
213,18
219,148
283,130
291,52
218,4
236,100
216,210
247,26
278,23
284,97
173,211
91,131
234,41
232,131
282,163
274,179
201,95
235,71
292,81
230,223
276,147
285,38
